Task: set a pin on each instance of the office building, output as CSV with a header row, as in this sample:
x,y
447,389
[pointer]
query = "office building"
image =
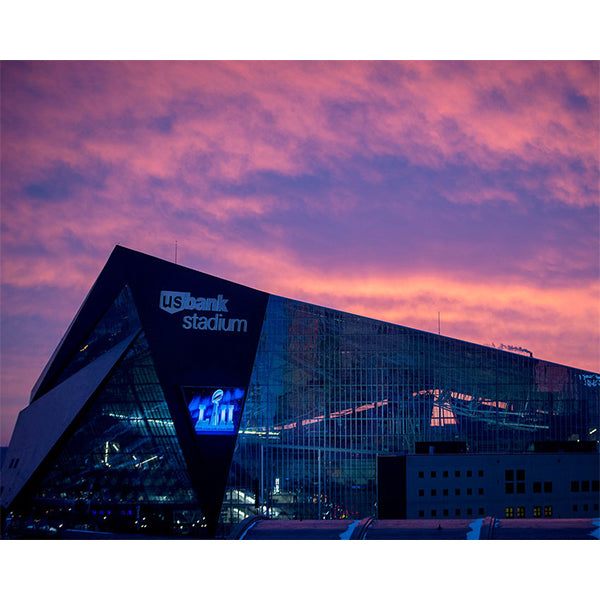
x,y
563,485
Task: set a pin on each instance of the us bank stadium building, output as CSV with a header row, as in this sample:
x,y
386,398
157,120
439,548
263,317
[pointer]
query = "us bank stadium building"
x,y
181,404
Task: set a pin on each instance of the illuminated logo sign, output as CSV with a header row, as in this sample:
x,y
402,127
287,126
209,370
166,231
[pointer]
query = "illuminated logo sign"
x,y
174,302
214,410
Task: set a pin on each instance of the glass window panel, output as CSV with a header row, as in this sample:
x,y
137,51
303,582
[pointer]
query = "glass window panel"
x,y
118,322
125,456
329,391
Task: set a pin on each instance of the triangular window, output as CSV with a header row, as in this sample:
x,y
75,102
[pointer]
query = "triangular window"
x,y
118,322
124,457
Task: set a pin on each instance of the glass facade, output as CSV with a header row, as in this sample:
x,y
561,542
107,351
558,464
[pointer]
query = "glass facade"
x,y
284,418
118,322
123,469
329,391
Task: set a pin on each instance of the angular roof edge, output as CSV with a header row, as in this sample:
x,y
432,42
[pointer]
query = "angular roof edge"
x,y
123,261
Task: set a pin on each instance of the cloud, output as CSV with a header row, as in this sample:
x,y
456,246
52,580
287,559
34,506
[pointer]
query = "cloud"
x,y
290,117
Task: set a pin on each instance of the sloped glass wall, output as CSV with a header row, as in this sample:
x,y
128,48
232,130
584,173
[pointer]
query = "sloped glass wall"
x,y
122,469
329,391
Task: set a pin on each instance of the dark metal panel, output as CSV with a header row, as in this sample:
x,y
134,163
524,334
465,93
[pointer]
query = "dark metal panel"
x,y
391,487
187,355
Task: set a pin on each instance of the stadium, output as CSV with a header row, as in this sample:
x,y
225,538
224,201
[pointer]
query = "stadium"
x,y
181,404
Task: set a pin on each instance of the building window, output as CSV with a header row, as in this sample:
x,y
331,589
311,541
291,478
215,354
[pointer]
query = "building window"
x,y
469,473
433,492
509,512
574,507
480,511
445,512
421,474
595,486
421,492
521,487
445,474
547,486
537,511
595,507
509,475
585,507
547,511
469,511
445,492
574,486
433,473
421,513
520,475
434,513
480,473
457,492
509,488
537,487
480,491
456,473
520,512
585,486
469,492
457,512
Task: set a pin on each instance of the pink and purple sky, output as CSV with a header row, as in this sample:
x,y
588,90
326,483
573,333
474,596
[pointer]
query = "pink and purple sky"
x,y
389,189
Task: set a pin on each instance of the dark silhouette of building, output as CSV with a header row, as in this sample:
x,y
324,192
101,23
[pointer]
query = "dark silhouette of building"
x,y
179,403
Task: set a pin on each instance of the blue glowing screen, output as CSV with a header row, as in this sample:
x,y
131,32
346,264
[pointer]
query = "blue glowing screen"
x,y
214,410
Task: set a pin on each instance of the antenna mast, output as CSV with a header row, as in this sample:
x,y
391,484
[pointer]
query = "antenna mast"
x,y
175,251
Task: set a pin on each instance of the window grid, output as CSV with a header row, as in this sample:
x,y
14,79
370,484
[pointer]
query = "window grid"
x,y
330,391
